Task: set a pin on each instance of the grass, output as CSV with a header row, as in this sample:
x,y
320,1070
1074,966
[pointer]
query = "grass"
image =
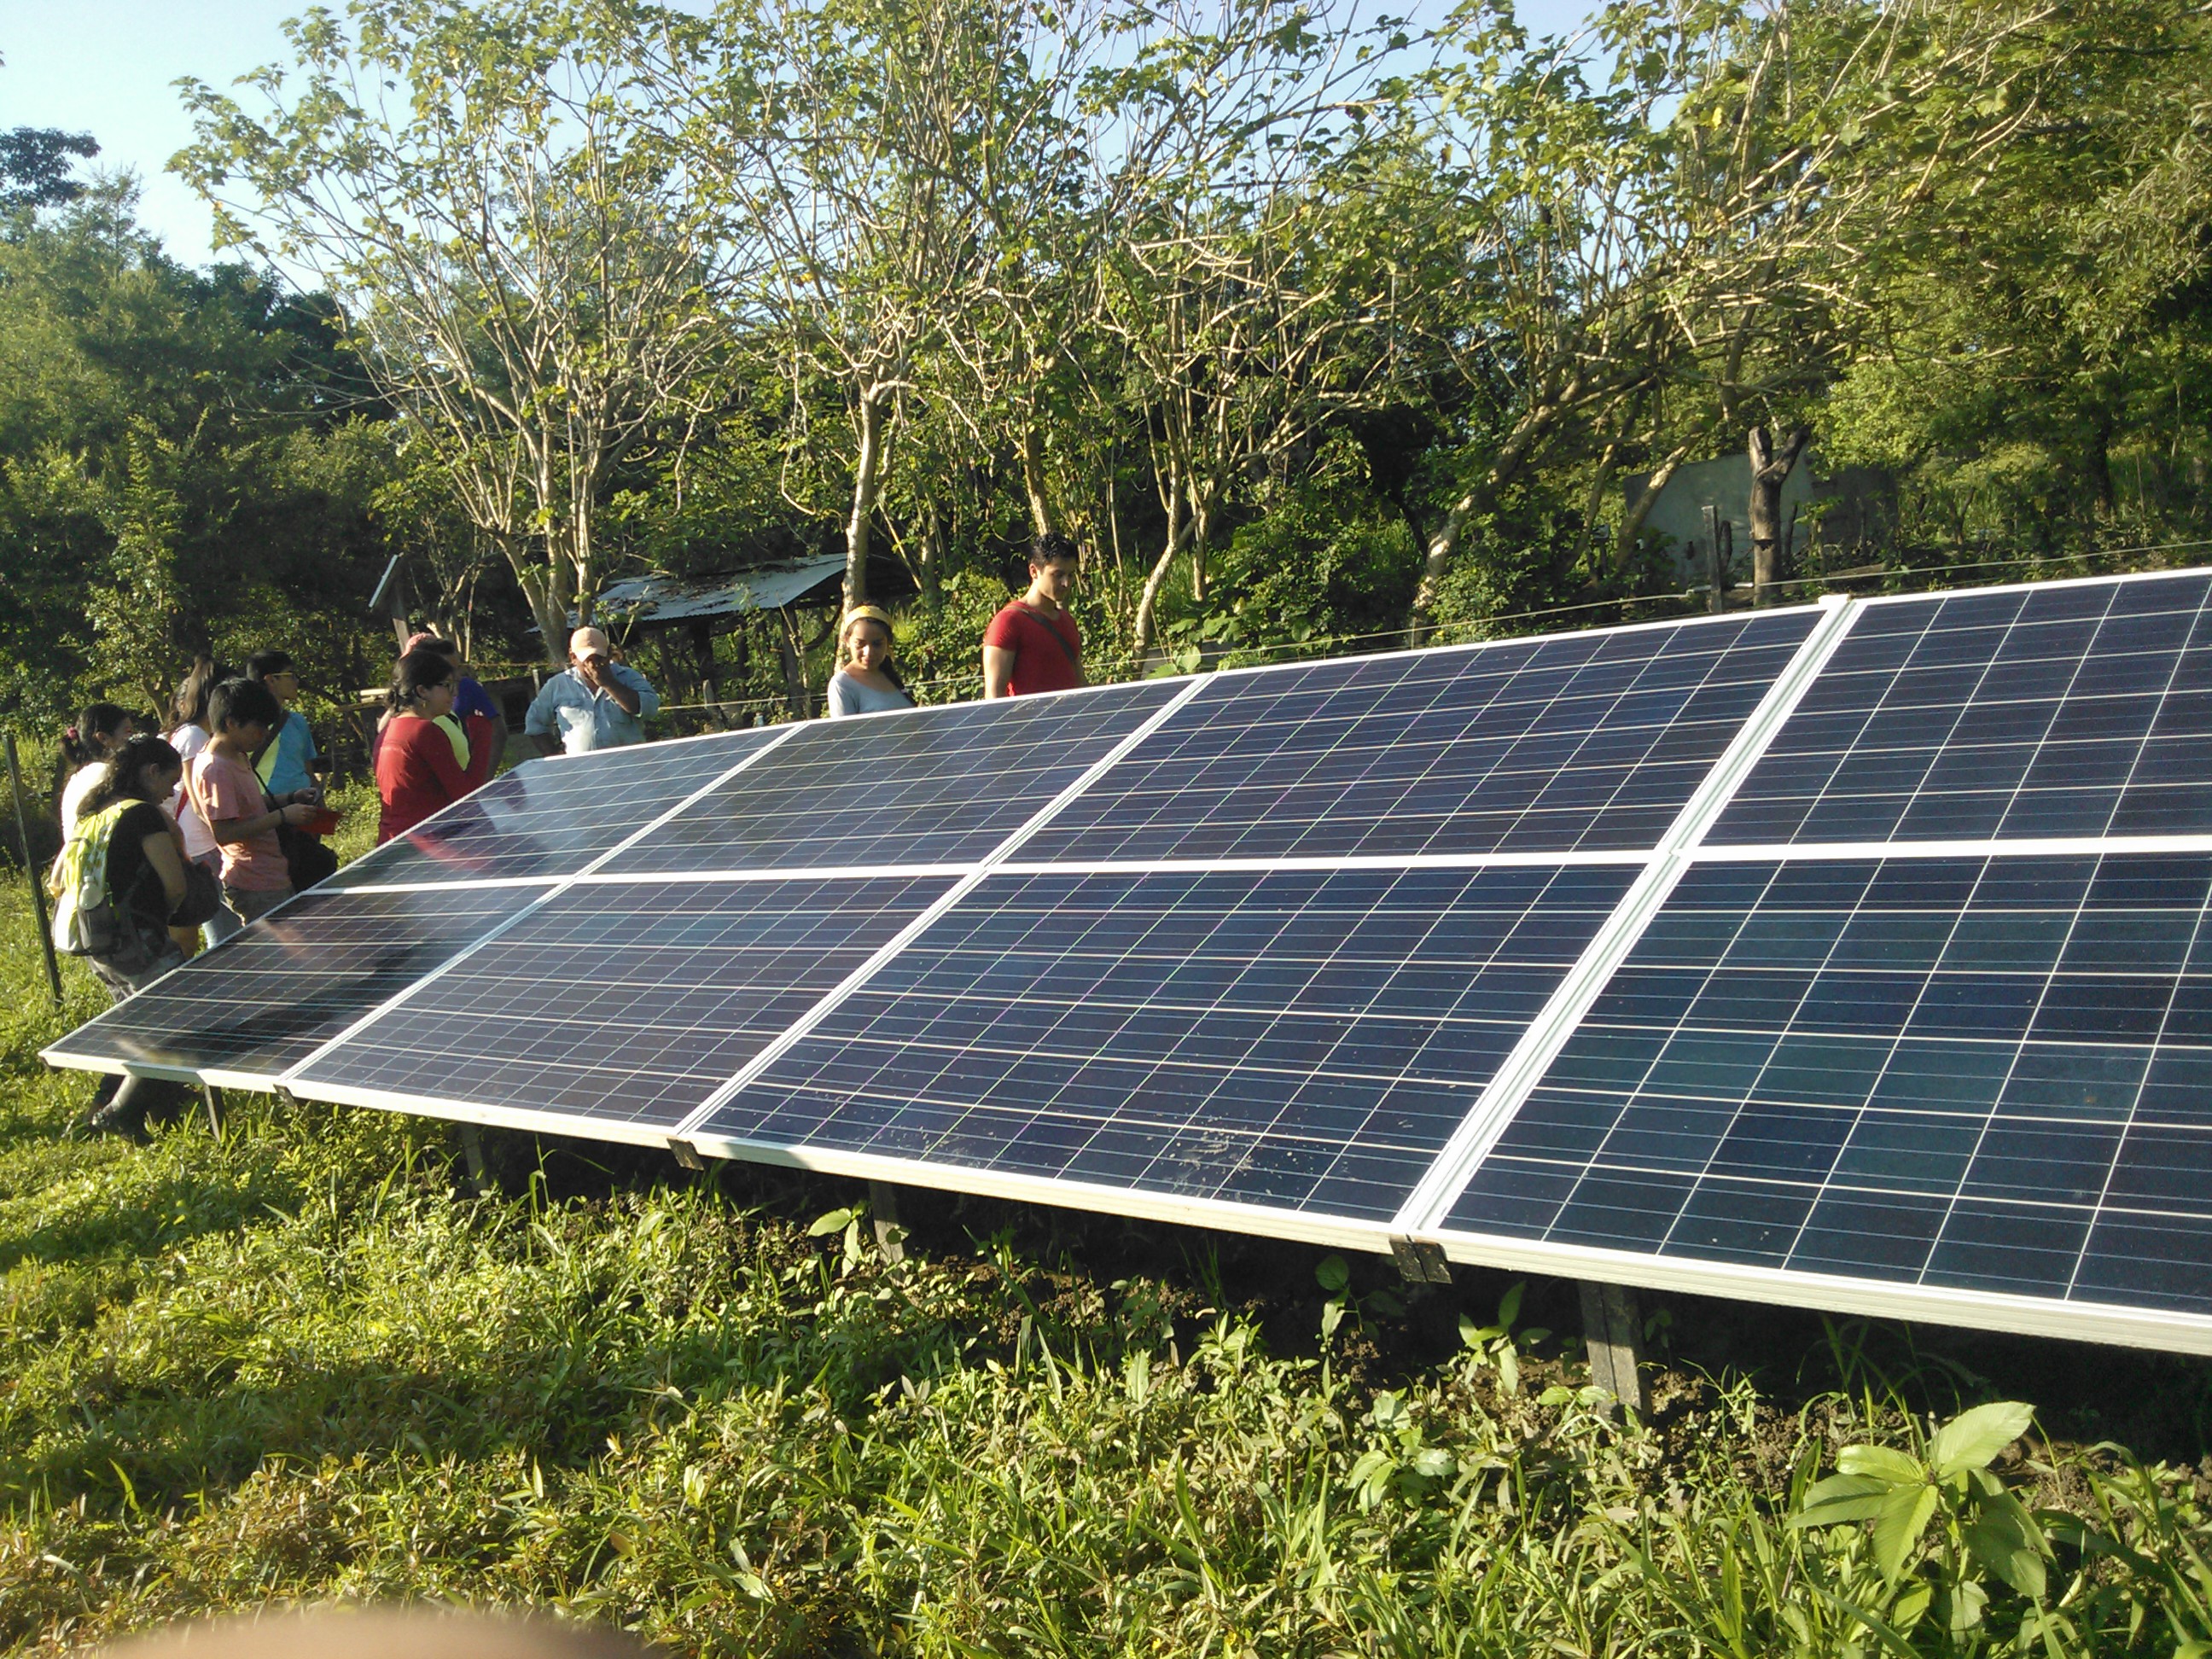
x,y
300,1363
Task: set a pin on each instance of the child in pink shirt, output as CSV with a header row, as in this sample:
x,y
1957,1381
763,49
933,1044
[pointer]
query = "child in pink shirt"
x,y
256,878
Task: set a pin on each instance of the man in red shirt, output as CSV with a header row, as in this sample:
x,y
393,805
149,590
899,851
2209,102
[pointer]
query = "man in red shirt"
x,y
1033,644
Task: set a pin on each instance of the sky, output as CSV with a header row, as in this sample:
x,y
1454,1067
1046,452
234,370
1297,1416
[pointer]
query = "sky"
x,y
107,67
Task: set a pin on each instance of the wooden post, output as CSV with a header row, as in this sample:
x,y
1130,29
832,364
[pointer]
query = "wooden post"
x,y
883,1211
1716,563
1613,1327
213,1102
30,874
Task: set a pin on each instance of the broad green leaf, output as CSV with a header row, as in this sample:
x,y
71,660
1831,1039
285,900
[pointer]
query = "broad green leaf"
x,y
1436,1463
1972,1439
2005,1540
835,1221
1333,1273
1841,1497
1882,1463
1509,1307
1896,1529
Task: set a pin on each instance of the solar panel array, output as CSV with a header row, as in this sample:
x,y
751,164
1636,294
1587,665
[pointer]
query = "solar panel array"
x,y
1845,955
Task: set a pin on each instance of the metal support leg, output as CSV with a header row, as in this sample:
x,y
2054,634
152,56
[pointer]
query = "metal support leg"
x,y
1613,1326
472,1152
213,1102
884,1209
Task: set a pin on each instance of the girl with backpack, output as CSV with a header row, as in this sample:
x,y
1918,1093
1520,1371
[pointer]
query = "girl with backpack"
x,y
87,747
119,883
121,875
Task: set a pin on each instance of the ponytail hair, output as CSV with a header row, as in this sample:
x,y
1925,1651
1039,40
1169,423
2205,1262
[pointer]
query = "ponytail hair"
x,y
127,769
80,742
416,673
190,705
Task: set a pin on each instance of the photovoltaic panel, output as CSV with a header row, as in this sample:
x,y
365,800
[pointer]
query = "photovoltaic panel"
x,y
620,1002
1992,1074
1302,1039
263,1000
1573,742
932,786
2067,710
553,817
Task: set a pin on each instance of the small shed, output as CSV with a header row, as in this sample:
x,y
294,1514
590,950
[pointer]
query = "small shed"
x,y
696,606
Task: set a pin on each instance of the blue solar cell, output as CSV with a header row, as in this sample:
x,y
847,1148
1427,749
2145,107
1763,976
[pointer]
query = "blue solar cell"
x,y
1584,741
2064,711
263,1000
937,785
552,818
1956,1051
625,1002
1305,1040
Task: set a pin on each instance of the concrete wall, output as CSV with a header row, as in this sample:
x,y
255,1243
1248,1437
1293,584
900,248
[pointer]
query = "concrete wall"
x,y
1724,484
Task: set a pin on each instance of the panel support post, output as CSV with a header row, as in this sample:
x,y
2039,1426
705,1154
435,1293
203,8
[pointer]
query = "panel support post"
x,y
473,1153
1612,1325
883,1211
213,1102
31,873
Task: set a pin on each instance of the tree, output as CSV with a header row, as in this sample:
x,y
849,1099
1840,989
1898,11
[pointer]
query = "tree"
x,y
894,165
528,265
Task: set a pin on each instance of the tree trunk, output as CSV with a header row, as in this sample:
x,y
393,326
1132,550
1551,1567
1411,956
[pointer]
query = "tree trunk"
x,y
1033,484
1770,470
1179,528
797,694
1632,521
1199,525
867,471
1436,564
932,558
540,586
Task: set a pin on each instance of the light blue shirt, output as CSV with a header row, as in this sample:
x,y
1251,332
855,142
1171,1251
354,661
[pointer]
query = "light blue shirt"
x,y
585,720
284,764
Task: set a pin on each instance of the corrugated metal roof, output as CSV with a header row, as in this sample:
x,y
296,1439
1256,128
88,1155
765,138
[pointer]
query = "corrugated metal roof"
x,y
647,600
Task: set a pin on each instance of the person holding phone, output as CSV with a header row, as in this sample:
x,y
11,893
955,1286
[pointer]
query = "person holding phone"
x,y
242,716
595,702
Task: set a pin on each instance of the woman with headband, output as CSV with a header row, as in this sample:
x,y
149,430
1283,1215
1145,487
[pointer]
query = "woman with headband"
x,y
866,682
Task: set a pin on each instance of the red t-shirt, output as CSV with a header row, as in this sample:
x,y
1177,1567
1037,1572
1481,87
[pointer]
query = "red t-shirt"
x,y
1047,650
415,775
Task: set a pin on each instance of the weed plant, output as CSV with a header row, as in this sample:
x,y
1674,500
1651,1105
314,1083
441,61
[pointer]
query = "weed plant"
x,y
298,1362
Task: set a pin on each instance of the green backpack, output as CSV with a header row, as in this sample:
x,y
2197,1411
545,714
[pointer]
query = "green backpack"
x,y
88,920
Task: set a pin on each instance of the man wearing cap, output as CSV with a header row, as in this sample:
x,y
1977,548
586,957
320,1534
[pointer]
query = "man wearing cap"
x,y
596,702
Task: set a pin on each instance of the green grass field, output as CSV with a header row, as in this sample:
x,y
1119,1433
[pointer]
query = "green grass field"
x,y
300,1363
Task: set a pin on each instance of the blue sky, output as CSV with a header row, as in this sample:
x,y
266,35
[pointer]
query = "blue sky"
x,y
106,67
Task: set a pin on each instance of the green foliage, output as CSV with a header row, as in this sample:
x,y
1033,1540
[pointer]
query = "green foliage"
x,y
169,467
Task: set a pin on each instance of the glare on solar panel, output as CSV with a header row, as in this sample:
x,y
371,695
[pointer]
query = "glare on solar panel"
x,y
260,1002
618,1005
554,817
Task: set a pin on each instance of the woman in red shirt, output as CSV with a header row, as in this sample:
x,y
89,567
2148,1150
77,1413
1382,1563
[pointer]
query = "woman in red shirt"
x,y
417,772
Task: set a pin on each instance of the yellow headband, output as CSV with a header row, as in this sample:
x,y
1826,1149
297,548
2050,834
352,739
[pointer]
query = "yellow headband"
x,y
866,613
